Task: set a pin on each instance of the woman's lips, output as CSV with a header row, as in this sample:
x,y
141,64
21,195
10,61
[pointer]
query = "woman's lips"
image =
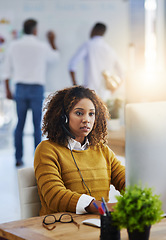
x,y
86,129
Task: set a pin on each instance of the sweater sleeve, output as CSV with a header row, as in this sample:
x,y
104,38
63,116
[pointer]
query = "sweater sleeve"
x,y
117,172
52,190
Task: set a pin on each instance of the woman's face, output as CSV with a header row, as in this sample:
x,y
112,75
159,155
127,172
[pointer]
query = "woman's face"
x,y
81,119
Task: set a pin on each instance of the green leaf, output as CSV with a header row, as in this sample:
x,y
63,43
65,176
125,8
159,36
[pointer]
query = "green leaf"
x,y
136,208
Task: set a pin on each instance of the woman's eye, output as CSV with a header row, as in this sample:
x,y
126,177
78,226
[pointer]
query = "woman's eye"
x,y
78,113
91,114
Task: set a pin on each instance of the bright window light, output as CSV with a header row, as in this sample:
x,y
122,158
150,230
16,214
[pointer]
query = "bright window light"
x,y
150,35
150,5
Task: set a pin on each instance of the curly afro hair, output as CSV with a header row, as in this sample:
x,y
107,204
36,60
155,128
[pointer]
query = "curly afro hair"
x,y
63,101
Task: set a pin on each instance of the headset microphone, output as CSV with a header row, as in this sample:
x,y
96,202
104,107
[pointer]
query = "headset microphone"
x,y
67,131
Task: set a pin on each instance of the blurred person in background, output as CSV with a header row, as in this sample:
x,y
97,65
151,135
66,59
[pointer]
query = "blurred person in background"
x,y
26,63
98,57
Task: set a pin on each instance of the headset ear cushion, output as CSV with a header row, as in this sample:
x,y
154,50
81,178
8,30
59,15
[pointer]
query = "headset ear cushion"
x,y
64,119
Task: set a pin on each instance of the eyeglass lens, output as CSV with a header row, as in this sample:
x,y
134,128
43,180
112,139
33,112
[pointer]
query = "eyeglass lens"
x,y
64,218
49,219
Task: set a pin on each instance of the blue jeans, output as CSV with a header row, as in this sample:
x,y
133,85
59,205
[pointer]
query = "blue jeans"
x,y
27,96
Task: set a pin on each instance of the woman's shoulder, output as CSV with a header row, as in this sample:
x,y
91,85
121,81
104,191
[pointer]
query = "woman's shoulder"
x,y
45,144
49,148
104,148
100,146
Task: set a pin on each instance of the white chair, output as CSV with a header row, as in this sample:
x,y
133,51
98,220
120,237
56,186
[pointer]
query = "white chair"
x,y
29,199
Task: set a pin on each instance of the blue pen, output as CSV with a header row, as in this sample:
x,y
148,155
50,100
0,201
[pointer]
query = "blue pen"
x,y
95,205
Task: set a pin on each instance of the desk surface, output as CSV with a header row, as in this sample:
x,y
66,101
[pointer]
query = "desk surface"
x,y
32,229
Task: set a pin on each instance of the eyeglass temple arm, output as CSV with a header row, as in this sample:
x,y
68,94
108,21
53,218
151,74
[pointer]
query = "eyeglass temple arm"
x,y
47,227
77,224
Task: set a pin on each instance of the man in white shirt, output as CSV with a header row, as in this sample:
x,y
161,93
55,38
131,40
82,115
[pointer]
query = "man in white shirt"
x,y
26,62
98,57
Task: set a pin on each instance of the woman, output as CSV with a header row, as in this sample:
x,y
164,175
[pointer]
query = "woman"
x,y
74,167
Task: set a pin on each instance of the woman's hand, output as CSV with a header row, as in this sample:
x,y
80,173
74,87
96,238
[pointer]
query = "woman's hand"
x,y
92,209
110,206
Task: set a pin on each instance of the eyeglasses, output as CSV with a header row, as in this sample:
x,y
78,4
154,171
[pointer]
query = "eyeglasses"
x,y
51,219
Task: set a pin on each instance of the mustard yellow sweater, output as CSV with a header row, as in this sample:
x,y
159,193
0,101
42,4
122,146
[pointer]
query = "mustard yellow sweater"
x,y
59,182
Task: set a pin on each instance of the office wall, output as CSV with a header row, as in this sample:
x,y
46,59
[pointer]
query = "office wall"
x,y
72,21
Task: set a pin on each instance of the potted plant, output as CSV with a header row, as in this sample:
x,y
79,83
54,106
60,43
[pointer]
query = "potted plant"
x,y
136,210
114,105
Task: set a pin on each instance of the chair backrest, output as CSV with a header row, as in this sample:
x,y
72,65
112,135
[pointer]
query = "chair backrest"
x,y
29,199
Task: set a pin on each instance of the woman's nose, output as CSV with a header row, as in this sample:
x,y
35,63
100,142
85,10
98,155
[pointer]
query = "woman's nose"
x,y
86,118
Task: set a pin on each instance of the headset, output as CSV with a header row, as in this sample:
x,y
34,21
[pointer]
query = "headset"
x,y
65,121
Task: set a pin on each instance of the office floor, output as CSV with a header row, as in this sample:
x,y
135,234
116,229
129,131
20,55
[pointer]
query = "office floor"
x,y
9,194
